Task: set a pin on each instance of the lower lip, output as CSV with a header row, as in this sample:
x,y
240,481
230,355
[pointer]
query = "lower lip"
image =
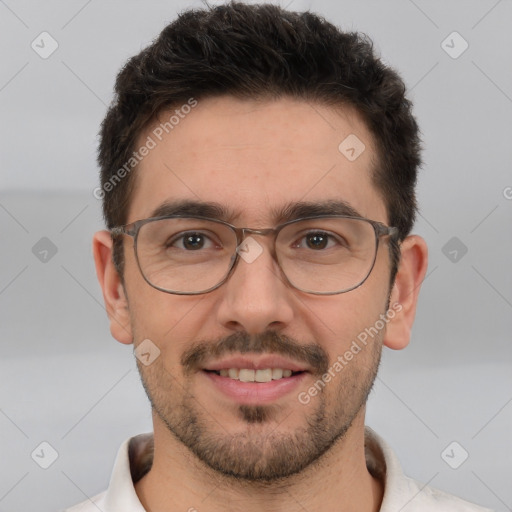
x,y
255,392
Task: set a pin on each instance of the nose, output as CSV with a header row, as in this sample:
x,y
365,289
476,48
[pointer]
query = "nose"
x,y
256,297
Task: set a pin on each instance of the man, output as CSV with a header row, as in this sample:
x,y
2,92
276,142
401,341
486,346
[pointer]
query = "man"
x,y
257,172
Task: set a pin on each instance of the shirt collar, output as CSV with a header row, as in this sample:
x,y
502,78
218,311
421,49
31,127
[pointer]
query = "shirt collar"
x,y
132,458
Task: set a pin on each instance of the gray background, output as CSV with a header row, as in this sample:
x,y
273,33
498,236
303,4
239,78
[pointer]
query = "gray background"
x,y
65,381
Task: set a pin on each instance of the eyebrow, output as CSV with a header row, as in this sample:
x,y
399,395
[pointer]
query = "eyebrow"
x,y
288,212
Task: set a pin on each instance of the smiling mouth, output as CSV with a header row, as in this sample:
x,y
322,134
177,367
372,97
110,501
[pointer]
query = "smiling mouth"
x,y
251,375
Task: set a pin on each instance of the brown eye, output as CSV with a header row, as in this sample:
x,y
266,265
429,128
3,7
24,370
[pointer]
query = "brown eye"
x,y
191,241
317,240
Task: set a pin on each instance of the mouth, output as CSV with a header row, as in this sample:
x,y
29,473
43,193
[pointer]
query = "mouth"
x,y
255,380
251,375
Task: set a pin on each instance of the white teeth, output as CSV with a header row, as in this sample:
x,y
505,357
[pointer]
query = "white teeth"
x,y
263,375
233,373
246,375
249,375
277,373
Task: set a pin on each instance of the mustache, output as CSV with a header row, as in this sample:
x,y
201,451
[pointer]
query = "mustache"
x,y
269,342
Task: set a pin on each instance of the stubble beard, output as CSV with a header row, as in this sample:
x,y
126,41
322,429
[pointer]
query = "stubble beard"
x,y
263,451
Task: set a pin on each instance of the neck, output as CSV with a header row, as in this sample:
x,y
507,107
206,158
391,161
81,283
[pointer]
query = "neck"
x,y
339,480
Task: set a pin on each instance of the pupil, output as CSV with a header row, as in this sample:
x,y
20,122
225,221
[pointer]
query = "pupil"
x,y
193,241
317,241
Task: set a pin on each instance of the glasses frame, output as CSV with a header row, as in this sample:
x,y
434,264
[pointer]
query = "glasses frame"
x,y
133,229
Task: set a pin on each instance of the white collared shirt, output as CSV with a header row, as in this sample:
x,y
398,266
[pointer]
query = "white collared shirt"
x,y
400,492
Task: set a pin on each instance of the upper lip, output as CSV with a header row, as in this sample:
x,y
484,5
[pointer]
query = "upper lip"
x,y
257,362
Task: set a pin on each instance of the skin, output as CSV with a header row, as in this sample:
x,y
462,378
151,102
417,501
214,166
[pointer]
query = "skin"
x,y
271,153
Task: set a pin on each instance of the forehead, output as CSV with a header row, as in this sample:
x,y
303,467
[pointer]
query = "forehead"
x,y
255,159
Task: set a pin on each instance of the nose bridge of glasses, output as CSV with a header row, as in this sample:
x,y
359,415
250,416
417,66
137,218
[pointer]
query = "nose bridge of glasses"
x,y
251,231
244,233
264,232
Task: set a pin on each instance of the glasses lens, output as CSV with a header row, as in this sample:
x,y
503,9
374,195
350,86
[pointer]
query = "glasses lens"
x,y
327,255
185,255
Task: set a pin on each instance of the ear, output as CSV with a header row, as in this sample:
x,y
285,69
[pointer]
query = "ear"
x,y
116,303
405,291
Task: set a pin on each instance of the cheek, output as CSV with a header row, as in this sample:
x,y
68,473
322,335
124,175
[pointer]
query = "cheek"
x,y
346,321
338,320
171,322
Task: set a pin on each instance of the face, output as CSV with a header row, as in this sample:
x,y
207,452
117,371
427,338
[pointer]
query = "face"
x,y
254,159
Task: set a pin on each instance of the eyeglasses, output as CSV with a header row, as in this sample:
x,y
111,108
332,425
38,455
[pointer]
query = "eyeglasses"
x,y
322,255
